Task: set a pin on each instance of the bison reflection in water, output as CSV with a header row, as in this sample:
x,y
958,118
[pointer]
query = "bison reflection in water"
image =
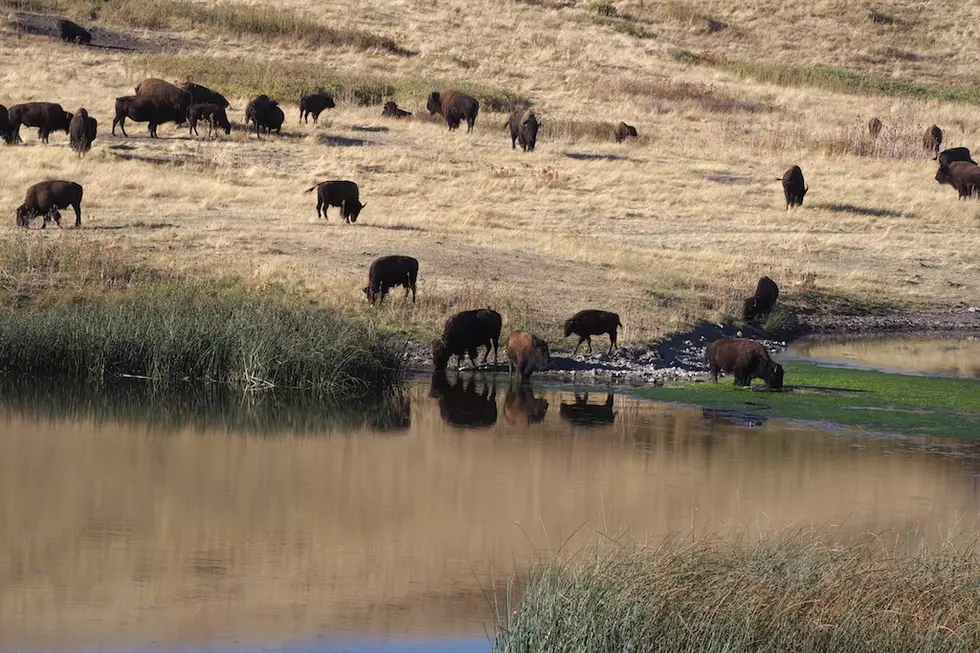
x,y
522,408
582,413
461,404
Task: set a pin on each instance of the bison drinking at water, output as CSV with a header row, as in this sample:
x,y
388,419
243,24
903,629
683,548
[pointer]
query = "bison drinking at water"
x,y
344,194
313,105
390,271
45,198
464,333
591,322
746,360
932,139
793,187
624,131
46,116
455,107
961,175
526,353
81,132
766,293
523,129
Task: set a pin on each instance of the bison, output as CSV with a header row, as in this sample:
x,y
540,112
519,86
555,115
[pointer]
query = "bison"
x,y
624,131
523,128
46,116
465,333
391,110
793,187
147,108
313,105
766,293
526,353
591,322
6,132
455,107
954,154
461,405
874,127
213,114
961,175
274,119
82,131
45,198
390,271
73,32
344,194
264,113
522,408
203,95
746,360
932,139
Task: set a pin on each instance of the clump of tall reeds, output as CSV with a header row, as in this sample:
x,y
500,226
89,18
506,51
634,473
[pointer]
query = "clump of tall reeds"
x,y
796,593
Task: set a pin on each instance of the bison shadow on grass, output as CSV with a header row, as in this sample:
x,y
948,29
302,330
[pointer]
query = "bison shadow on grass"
x,y
840,207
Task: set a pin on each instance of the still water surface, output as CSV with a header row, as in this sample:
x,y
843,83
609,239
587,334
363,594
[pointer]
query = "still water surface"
x,y
129,524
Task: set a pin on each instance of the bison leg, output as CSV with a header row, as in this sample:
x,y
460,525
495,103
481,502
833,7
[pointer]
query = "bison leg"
x,y
588,339
473,352
581,339
469,124
713,372
319,205
612,342
78,214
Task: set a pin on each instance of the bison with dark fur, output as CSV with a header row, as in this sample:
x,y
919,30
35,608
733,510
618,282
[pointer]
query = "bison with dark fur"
x,y
391,110
745,360
46,116
624,131
464,333
932,140
523,129
313,105
155,110
591,322
954,154
766,293
793,187
45,198
6,132
874,127
342,193
82,132
390,271
264,113
961,175
526,353
213,114
455,107
203,95
73,32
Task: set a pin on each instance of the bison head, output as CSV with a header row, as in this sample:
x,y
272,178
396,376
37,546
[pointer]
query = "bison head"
x,y
748,309
434,105
24,216
65,123
569,326
631,130
354,210
369,291
440,355
943,176
775,376
542,355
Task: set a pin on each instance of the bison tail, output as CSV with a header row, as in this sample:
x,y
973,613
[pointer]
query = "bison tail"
x,y
310,190
619,323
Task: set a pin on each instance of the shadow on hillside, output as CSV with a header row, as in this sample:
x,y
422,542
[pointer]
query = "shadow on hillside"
x,y
864,210
591,156
342,141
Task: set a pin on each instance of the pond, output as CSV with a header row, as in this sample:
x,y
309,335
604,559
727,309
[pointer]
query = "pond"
x,y
921,354
134,523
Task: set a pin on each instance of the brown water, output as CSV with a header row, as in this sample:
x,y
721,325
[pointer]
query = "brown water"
x,y
122,533
957,356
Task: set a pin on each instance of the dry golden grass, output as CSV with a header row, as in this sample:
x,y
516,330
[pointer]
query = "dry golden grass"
x,y
669,229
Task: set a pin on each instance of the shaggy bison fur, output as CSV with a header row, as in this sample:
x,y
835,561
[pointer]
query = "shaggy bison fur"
x,y
73,32
465,333
152,109
624,131
954,154
213,114
523,129
932,139
961,175
45,198
82,131
793,187
388,272
391,110
591,322
313,105
874,127
455,107
264,113
745,360
766,293
526,353
344,194
46,116
203,95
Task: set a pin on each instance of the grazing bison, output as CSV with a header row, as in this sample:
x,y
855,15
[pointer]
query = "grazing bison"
x,y
147,108
344,194
961,175
582,413
82,131
874,127
465,333
390,271
522,408
46,116
313,105
391,110
746,360
45,198
203,95
766,293
954,154
624,131
455,107
793,187
523,128
6,132
73,32
591,322
264,113
461,405
526,353
213,114
932,139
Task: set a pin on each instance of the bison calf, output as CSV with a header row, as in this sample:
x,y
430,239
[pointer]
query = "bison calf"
x,y
793,187
961,175
391,110
45,198
213,114
591,322
46,116
766,293
344,194
932,140
82,132
388,272
624,131
313,105
464,333
745,360
526,353
455,107
523,129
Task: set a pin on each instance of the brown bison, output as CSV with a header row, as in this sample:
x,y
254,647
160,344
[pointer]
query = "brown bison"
x,y
954,154
151,109
526,353
523,129
462,405
624,131
73,32
874,127
45,198
793,187
46,116
582,413
464,333
391,110
455,107
522,408
313,105
213,114
344,194
82,131
746,360
203,95
591,322
766,293
388,272
932,140
961,175
6,131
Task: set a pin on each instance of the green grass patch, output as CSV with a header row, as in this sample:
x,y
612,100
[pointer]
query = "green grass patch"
x,y
920,405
